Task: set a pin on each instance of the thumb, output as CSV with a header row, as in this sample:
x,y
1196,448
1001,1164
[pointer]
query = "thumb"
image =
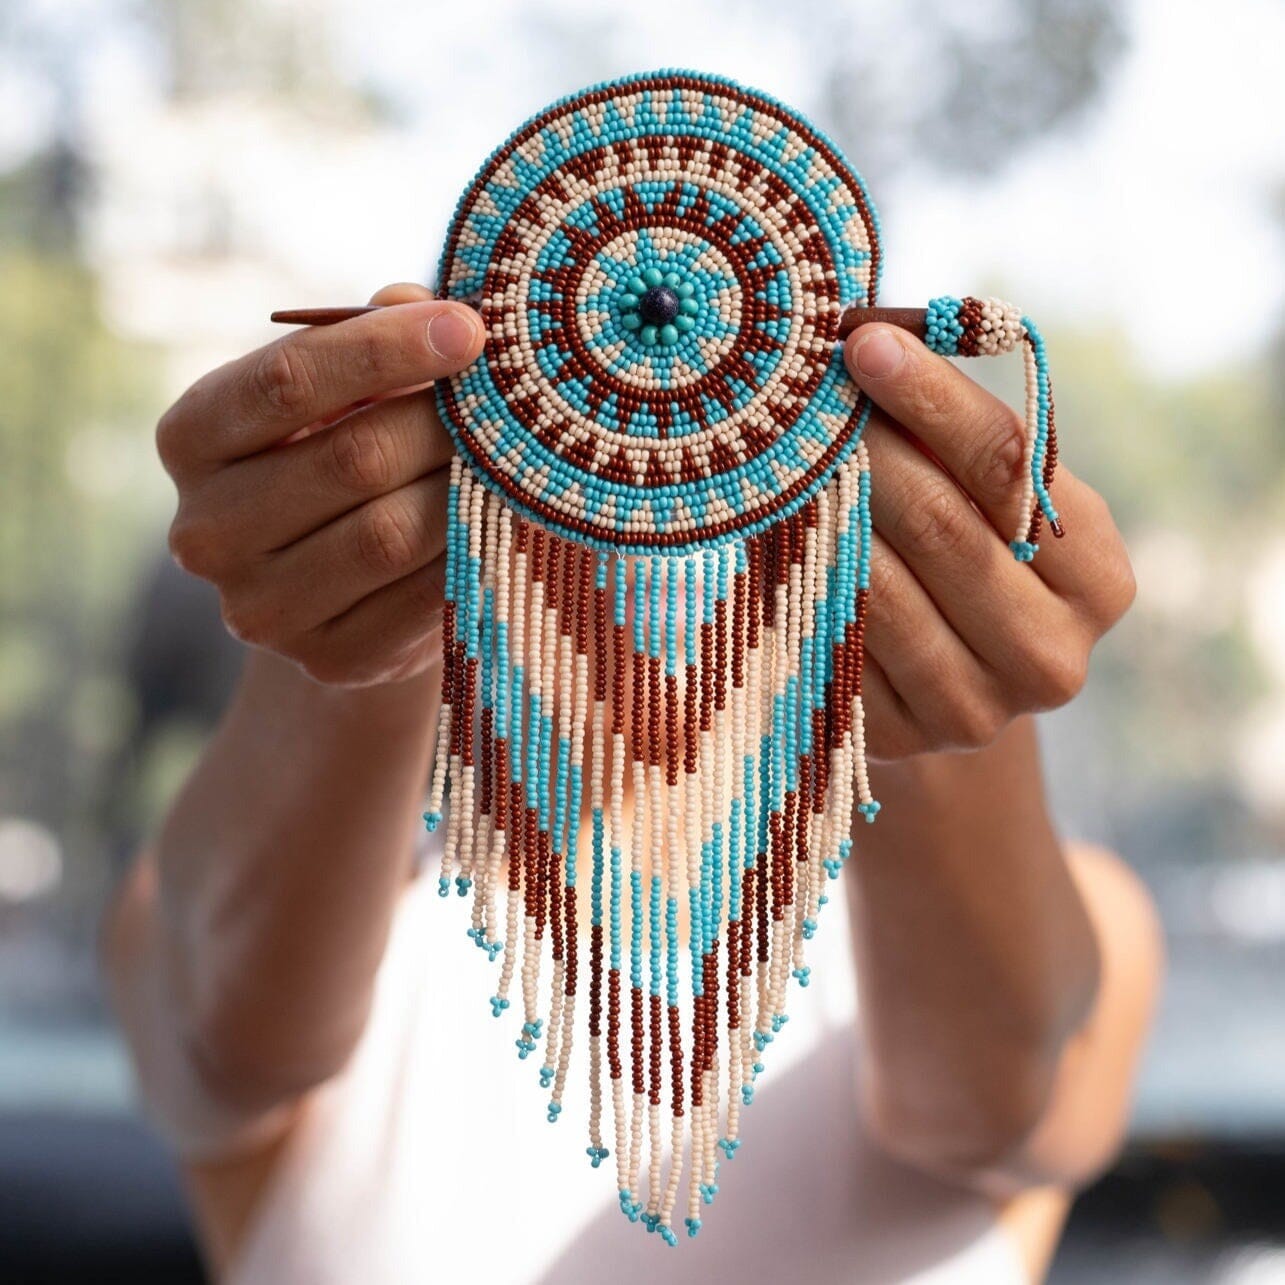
x,y
401,292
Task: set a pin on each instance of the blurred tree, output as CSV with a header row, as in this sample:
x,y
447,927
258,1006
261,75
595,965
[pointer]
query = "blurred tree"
x,y
963,89
70,535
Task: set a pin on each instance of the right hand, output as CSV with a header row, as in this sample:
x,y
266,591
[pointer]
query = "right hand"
x,y
312,482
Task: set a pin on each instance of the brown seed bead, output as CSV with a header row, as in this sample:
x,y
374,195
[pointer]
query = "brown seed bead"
x,y
501,751
863,596
466,715
584,600
706,676
456,736
802,809
542,882
570,602
754,606
739,585
595,979
733,972
488,759
655,1045
720,654
762,906
613,1024
529,861
448,651
636,1038
675,1061
569,913
691,721
654,715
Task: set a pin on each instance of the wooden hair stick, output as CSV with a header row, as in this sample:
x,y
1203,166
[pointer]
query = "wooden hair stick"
x,y
912,319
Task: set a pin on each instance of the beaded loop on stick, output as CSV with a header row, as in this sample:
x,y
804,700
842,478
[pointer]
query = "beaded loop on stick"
x,y
657,574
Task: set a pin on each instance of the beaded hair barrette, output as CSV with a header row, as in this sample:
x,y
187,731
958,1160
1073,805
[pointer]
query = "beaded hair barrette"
x,y
657,577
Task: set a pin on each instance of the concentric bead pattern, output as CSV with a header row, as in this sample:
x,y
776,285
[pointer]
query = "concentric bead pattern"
x,y
622,423
657,582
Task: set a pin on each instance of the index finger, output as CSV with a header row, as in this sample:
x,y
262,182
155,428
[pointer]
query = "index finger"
x,y
313,375
974,436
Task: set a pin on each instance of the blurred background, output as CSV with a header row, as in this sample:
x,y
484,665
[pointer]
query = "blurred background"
x,y
171,170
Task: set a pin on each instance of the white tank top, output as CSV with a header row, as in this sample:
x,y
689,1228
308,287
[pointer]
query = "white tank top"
x,y
430,1158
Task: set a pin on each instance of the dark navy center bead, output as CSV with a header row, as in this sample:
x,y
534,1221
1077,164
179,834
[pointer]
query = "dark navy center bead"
x,y
659,306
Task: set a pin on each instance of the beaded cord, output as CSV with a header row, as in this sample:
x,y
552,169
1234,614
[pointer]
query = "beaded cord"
x,y
972,327
657,580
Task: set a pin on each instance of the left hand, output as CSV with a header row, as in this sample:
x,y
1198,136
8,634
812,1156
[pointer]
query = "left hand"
x,y
961,638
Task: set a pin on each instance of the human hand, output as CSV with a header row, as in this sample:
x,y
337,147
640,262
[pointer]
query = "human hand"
x,y
312,484
961,638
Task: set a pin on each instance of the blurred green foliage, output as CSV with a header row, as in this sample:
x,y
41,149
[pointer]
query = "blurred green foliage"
x,y
75,428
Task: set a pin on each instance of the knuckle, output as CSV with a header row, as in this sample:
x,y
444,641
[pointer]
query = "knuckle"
x,y
243,619
284,377
428,590
324,666
1121,588
194,545
336,661
998,464
170,438
372,354
973,724
1058,675
387,540
881,603
926,393
359,460
897,738
936,522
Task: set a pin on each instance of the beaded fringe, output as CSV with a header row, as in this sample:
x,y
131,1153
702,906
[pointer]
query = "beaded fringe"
x,y
722,691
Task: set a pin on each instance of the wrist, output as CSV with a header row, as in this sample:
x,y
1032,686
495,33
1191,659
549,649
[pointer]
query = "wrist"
x,y
270,683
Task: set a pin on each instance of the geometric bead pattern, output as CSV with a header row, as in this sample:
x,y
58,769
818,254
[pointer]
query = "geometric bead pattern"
x,y
673,433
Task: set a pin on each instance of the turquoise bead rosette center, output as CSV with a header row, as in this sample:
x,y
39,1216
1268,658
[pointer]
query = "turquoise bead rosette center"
x,y
658,307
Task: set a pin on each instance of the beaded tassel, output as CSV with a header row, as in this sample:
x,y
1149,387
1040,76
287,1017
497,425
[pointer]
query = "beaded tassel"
x,y
657,585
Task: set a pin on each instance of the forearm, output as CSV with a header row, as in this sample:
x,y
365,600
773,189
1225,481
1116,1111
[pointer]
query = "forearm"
x,y
279,866
977,958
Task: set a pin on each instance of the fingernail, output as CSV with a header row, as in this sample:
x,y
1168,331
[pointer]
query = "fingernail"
x,y
450,334
878,355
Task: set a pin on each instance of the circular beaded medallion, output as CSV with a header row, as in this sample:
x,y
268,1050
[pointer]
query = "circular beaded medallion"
x,y
661,264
